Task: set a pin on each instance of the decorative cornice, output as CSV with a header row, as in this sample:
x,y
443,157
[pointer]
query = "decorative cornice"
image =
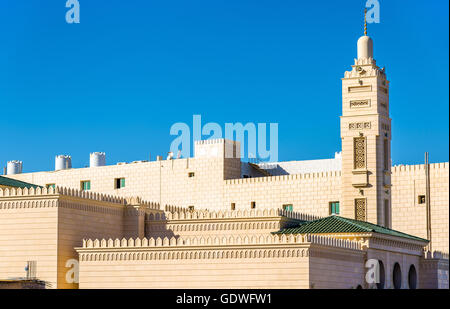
x,y
12,198
220,241
268,246
228,225
231,214
28,192
308,176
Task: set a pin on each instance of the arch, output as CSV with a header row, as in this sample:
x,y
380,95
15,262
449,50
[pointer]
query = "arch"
x,y
412,277
397,276
381,275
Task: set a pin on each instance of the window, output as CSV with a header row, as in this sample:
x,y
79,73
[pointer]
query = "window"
x,y
233,206
381,276
397,276
253,205
86,185
421,199
50,185
288,207
334,208
387,222
386,155
191,174
246,176
191,208
119,183
359,152
412,277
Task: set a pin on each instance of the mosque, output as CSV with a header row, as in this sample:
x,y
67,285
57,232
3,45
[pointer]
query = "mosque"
x,y
214,221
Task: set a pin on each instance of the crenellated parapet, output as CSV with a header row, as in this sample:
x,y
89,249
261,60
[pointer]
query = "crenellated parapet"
x,y
280,178
436,255
28,192
173,208
206,241
365,67
230,214
182,223
419,167
233,247
213,141
185,214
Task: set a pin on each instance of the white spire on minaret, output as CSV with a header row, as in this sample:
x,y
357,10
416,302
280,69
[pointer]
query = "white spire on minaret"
x,y
365,43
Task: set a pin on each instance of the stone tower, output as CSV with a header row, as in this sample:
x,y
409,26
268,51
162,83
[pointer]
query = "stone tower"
x,y
366,140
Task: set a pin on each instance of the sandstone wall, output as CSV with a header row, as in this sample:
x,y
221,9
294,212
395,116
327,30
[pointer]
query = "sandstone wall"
x,y
203,262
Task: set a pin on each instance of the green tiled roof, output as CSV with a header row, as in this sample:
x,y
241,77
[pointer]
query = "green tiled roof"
x,y
9,182
337,224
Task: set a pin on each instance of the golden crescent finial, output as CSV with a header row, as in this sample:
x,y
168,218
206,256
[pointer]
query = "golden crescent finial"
x,y
365,21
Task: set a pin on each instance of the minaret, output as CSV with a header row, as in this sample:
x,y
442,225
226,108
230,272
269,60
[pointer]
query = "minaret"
x,y
366,139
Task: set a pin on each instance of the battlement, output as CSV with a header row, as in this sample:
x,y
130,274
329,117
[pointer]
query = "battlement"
x,y
419,167
436,255
221,241
319,175
225,214
215,141
18,192
173,208
135,200
62,191
216,148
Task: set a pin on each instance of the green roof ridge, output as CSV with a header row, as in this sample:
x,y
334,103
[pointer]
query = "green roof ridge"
x,y
349,221
385,228
337,224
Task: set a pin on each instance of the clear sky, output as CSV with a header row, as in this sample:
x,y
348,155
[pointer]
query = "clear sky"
x,y
117,81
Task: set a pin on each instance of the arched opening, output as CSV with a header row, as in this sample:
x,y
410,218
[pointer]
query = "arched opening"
x,y
359,287
397,276
382,276
412,277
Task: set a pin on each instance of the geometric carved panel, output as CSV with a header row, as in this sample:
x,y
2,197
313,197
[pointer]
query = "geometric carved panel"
x,y
359,103
359,125
359,150
360,209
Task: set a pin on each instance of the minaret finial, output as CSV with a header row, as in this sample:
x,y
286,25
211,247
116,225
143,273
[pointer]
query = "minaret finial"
x,y
365,21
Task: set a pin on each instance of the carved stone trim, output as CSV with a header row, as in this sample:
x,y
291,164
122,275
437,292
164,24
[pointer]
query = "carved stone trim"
x,y
359,125
359,103
360,209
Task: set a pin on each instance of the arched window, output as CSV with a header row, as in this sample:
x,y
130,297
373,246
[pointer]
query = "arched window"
x,y
382,277
412,277
397,276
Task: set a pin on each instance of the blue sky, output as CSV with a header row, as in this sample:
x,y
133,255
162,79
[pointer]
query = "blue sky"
x,y
117,81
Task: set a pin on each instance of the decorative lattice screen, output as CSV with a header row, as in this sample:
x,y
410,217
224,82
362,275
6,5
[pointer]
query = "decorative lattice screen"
x,y
360,209
360,152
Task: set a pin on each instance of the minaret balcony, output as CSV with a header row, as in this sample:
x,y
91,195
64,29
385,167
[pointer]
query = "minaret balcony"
x,y
360,178
387,179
